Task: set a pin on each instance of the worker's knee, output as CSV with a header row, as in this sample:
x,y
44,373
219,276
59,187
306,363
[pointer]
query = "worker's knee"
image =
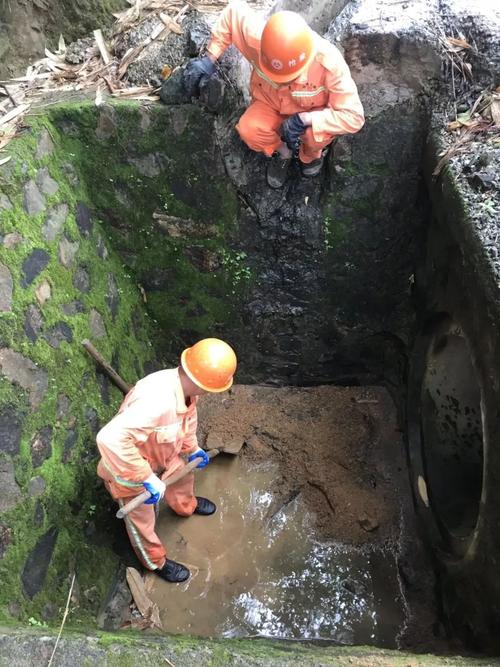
x,y
255,132
248,130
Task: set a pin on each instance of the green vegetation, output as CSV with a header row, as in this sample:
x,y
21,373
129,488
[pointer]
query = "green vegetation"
x,y
71,489
123,163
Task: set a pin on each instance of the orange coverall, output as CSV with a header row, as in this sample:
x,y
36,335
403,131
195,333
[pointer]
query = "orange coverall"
x,y
325,88
150,433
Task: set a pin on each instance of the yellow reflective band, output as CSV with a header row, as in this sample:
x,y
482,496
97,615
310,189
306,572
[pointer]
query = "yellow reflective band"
x,y
263,76
137,540
308,93
120,480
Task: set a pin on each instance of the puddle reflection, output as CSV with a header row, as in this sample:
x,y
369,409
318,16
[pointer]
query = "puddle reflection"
x,y
255,575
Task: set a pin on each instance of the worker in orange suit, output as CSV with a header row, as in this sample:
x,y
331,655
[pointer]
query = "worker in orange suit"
x,y
303,95
149,439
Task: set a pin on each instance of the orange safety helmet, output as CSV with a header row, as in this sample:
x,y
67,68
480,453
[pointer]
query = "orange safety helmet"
x,y
210,364
286,46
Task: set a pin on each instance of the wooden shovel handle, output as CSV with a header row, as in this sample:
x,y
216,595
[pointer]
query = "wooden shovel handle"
x,y
138,500
107,368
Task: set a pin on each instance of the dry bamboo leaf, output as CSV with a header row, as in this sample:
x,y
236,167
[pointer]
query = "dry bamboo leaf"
x,y
109,84
171,24
495,111
453,125
6,135
13,113
4,160
53,56
62,45
137,90
157,31
460,144
99,100
458,43
128,58
103,49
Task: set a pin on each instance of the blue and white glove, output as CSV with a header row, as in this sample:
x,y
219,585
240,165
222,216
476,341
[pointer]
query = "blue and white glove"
x,y
204,459
156,488
291,131
196,71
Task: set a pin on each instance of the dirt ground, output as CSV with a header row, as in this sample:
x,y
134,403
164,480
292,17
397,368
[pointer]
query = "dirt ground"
x,y
339,447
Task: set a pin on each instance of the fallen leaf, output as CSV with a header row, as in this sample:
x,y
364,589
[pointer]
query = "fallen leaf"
x,y
103,49
171,24
495,111
468,68
13,113
4,160
166,71
98,96
458,43
464,118
62,45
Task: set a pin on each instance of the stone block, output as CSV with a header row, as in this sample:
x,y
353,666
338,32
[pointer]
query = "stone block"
x,y
37,564
96,323
10,493
83,218
41,446
10,430
33,265
46,183
67,251
33,323
58,333
54,222
6,287
33,200
45,145
23,372
43,292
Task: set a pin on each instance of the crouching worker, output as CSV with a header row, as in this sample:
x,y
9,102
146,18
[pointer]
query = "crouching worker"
x,y
303,96
146,441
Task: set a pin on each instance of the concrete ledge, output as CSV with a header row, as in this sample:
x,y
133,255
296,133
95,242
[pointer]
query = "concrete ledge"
x,y
20,647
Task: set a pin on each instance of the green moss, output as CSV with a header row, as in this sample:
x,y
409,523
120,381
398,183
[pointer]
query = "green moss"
x,y
71,483
132,649
194,282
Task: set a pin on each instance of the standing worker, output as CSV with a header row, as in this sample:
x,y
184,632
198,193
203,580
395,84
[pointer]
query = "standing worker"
x,y
145,442
302,91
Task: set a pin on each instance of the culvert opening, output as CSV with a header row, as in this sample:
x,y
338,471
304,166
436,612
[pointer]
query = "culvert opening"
x,y
314,538
452,436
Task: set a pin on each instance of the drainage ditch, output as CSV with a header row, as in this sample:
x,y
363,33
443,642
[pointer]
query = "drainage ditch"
x,y
316,537
363,307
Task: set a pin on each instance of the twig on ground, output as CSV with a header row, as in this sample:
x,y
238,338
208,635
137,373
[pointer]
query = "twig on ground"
x,y
66,611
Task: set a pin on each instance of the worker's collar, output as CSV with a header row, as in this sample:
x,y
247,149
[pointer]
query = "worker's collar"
x,y
180,399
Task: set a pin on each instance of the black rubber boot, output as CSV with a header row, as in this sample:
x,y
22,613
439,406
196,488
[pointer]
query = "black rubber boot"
x,y
312,168
204,507
277,170
173,572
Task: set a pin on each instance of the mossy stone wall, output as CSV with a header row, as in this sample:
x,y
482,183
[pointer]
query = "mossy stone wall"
x,y
155,178
60,282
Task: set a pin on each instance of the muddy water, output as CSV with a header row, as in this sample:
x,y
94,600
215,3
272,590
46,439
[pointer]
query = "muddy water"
x,y
259,569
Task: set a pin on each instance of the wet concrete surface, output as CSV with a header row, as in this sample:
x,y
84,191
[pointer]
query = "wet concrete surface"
x,y
260,568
